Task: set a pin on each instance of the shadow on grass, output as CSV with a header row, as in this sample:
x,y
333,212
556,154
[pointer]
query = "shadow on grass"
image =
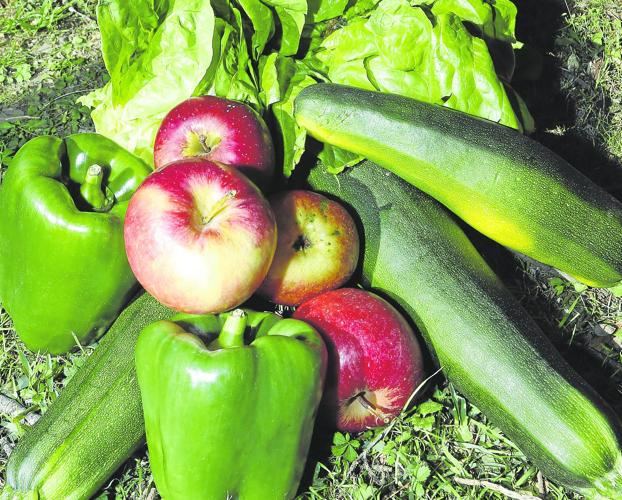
x,y
50,108
538,25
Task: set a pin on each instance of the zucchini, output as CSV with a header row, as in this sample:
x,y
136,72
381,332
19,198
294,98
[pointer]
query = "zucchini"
x,y
487,345
95,424
505,185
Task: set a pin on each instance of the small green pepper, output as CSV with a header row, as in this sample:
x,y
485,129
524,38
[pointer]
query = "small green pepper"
x,y
225,419
64,275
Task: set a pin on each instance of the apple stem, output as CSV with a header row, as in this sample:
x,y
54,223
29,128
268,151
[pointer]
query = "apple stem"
x,y
200,144
207,149
218,207
232,333
371,407
91,189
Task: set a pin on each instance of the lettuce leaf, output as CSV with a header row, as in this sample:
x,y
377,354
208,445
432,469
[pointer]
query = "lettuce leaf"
x,y
291,14
322,10
426,51
128,27
495,20
159,53
282,79
233,76
264,52
262,20
400,49
155,59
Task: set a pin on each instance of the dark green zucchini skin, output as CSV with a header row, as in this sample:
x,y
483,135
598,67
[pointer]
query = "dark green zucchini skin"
x,y
486,344
95,424
504,184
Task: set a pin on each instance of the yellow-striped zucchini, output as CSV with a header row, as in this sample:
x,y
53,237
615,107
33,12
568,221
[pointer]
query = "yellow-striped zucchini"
x,y
486,344
504,184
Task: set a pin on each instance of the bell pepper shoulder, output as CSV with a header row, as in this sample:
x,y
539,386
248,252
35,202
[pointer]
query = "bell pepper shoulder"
x,y
229,403
64,275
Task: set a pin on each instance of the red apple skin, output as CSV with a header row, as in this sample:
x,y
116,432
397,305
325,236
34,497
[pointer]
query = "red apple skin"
x,y
372,352
219,130
317,247
199,236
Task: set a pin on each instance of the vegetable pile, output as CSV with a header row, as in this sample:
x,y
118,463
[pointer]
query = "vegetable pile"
x,y
436,51
391,112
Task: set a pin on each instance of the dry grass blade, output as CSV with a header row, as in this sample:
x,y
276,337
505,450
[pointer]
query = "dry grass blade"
x,y
13,409
495,487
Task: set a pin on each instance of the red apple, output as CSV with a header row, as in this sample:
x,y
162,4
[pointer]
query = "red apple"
x,y
317,247
219,130
199,236
374,359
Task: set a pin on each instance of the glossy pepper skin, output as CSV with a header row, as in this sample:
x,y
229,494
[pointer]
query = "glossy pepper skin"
x,y
225,419
63,269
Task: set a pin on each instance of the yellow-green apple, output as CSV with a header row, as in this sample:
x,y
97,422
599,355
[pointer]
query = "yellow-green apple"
x,y
317,247
374,359
199,236
220,130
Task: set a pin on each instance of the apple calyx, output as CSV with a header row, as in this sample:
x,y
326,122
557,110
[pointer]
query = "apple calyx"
x,y
199,144
302,243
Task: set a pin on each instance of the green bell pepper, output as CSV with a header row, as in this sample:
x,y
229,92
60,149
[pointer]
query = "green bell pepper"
x,y
64,275
224,419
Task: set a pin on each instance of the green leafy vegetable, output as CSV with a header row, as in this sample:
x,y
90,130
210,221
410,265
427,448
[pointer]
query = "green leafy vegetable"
x,y
496,19
399,49
264,52
233,75
155,60
292,15
321,10
262,21
426,51
282,79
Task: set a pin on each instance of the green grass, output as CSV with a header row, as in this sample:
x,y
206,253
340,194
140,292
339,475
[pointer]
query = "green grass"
x,y
49,56
590,50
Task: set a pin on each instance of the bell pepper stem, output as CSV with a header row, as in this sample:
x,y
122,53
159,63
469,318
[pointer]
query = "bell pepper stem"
x,y
232,333
91,189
